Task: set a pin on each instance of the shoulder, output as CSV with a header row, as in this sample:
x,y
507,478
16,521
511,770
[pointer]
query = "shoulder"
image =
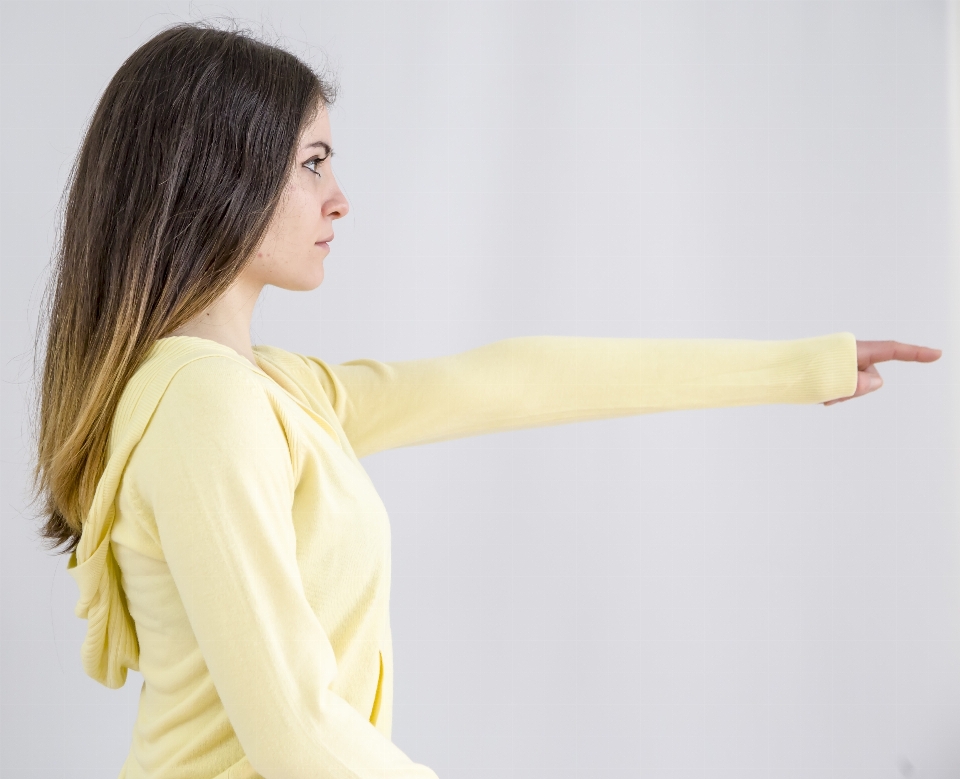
x,y
216,412
216,424
215,369
310,375
179,375
294,365
212,393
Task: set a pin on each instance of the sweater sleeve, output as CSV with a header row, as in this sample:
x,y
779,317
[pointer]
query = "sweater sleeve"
x,y
531,381
215,470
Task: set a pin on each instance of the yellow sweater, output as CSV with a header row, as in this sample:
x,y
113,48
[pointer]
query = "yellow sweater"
x,y
238,555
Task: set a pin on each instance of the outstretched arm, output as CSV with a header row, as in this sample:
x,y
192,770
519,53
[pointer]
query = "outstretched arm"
x,y
532,381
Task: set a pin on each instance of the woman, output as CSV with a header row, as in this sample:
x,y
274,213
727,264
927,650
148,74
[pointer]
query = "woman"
x,y
226,540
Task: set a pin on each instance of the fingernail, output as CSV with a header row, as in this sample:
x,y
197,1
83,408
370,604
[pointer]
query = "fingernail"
x,y
875,383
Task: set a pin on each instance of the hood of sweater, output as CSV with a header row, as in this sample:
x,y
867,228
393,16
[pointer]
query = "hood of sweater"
x,y
111,646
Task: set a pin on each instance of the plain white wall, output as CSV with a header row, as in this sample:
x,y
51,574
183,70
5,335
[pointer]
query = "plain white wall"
x,y
750,592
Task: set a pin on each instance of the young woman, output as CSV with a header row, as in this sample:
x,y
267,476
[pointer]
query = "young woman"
x,y
226,540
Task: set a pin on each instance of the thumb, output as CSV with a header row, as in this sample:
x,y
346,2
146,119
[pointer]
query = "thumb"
x,y
868,380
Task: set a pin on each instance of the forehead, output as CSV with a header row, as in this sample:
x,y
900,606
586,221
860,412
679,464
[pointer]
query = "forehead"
x,y
318,129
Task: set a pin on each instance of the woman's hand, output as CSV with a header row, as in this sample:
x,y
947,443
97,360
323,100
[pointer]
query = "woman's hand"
x,y
869,352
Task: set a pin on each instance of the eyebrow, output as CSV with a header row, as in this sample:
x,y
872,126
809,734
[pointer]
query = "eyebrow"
x,y
323,144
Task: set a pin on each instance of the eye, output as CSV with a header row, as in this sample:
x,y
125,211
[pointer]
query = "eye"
x,y
316,160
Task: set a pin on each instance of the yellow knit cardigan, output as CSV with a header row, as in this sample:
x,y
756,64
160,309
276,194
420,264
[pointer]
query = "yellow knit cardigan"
x,y
238,556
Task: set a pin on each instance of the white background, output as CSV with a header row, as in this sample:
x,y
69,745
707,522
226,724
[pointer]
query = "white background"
x,y
706,594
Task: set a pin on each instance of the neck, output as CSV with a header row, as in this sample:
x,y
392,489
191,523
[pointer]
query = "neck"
x,y
227,320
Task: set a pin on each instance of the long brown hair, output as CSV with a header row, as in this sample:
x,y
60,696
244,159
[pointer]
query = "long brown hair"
x,y
180,171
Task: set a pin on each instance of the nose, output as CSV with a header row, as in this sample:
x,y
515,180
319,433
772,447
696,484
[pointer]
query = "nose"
x,y
337,205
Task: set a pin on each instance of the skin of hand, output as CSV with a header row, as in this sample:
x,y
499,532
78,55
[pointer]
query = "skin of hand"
x,y
870,352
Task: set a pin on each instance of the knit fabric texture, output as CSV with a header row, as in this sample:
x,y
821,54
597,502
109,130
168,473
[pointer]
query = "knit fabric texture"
x,y
237,553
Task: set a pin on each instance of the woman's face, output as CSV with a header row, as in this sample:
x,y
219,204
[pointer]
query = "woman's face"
x,y
292,251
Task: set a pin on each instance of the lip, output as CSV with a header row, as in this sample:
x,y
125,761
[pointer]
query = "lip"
x,y
325,240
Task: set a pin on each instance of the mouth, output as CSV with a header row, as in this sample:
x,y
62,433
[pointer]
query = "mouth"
x,y
324,241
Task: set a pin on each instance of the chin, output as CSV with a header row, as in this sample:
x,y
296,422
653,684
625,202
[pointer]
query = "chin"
x,y
311,283
302,284
307,276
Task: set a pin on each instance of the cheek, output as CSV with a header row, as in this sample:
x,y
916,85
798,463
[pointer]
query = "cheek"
x,y
295,228
296,204
300,223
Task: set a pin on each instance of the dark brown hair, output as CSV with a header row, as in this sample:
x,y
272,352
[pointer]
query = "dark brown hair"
x,y
180,171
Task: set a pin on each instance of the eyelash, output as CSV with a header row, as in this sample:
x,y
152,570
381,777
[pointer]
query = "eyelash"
x,y
318,160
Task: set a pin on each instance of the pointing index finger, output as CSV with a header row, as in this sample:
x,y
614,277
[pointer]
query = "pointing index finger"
x,y
869,352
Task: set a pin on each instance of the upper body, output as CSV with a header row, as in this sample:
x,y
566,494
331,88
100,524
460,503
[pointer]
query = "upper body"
x,y
237,553
226,540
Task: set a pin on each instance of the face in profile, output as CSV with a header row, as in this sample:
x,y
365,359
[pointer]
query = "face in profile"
x,y
292,252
